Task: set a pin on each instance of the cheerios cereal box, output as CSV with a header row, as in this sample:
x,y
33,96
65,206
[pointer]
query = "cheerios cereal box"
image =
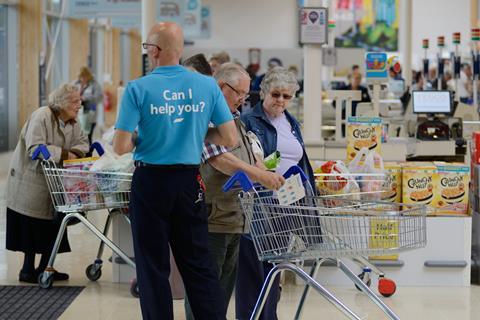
x,y
452,195
363,132
419,185
392,186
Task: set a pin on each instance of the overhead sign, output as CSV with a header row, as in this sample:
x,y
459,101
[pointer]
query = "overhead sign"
x,y
192,19
171,10
205,25
103,8
376,66
313,25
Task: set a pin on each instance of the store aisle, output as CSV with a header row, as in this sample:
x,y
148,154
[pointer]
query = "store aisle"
x,y
105,300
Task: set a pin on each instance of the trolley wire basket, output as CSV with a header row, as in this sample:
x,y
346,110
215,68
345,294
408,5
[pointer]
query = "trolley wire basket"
x,y
74,192
326,227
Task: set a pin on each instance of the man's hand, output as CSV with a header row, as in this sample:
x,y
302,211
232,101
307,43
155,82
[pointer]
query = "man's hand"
x,y
271,180
123,142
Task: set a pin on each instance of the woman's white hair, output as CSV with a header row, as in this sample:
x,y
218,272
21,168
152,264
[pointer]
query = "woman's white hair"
x,y
278,77
60,97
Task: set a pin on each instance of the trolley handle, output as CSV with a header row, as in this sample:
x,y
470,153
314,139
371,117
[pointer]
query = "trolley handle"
x,y
43,150
246,184
97,147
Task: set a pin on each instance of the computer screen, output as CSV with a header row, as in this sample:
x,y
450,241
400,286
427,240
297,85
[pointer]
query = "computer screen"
x,y
432,102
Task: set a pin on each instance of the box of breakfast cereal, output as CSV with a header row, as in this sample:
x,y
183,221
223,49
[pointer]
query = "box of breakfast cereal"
x,y
363,132
452,195
392,185
419,184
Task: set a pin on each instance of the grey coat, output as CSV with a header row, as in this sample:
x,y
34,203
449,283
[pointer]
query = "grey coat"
x,y
27,191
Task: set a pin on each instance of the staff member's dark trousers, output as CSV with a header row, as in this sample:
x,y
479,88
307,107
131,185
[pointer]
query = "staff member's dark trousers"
x,y
250,278
166,206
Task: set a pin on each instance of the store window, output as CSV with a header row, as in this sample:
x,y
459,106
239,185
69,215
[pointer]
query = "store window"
x,y
54,57
3,78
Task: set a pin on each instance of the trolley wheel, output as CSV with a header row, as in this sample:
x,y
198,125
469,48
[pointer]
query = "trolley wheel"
x,y
47,283
134,288
362,276
386,287
93,272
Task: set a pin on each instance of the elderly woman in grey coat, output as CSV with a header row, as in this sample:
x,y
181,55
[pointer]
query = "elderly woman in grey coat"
x,y
31,227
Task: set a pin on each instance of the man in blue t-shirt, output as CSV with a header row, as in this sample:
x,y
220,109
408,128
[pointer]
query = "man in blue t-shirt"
x,y
172,108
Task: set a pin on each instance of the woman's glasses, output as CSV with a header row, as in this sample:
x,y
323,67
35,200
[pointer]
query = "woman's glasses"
x,y
277,95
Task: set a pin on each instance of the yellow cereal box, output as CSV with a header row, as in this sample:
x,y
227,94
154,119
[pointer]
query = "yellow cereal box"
x,y
452,195
363,132
419,185
392,186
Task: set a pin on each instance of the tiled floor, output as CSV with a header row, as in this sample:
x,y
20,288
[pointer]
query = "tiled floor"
x,y
108,301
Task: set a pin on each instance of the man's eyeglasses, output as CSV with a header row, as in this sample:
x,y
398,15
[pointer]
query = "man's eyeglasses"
x,y
244,95
277,95
145,46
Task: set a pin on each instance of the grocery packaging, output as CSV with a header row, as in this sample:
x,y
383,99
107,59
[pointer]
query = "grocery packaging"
x,y
80,188
392,185
419,184
452,195
363,132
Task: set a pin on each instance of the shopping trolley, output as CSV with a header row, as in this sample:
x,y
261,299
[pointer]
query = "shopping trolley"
x,y
360,186
316,228
74,193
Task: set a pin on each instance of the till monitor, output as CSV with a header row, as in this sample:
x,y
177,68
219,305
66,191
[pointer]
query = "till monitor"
x,y
432,102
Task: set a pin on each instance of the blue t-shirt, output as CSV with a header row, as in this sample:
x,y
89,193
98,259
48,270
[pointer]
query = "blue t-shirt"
x,y
172,108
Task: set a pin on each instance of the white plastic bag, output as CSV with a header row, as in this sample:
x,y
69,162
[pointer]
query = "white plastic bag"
x,y
369,166
110,178
341,183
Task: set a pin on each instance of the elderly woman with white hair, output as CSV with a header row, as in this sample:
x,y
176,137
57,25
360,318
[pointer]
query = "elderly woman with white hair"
x,y
277,130
31,227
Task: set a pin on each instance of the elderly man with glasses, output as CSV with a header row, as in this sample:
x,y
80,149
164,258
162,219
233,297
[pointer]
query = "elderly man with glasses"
x,y
226,222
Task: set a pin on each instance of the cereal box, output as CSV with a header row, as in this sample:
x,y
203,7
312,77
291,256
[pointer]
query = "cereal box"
x,y
452,195
363,132
392,186
419,185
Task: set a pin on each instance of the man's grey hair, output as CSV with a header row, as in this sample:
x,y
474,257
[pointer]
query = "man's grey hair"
x,y
60,97
230,73
278,77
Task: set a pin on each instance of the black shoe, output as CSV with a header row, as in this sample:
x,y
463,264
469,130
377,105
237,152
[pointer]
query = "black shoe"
x,y
60,276
30,277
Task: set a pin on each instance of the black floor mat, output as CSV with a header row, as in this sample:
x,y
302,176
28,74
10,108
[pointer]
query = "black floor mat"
x,y
32,302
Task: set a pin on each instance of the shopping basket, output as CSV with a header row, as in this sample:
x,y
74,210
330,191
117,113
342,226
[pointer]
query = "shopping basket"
x,y
314,228
74,193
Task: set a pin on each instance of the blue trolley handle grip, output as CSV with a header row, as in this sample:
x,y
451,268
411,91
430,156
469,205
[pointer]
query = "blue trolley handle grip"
x,y
41,149
241,177
246,184
97,147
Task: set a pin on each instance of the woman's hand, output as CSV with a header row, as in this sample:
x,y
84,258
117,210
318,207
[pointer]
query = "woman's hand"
x,y
72,156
